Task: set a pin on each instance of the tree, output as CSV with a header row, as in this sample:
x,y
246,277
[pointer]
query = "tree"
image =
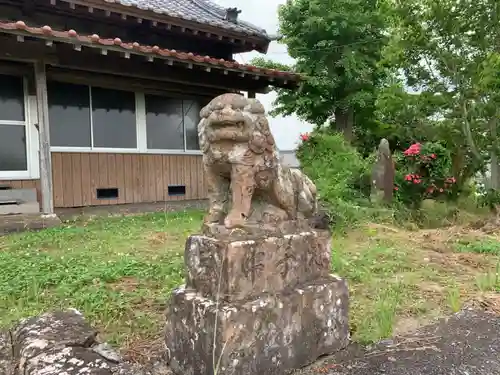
x,y
337,45
445,50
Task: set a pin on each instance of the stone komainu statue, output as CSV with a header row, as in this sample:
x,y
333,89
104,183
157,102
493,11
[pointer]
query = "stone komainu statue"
x,y
242,165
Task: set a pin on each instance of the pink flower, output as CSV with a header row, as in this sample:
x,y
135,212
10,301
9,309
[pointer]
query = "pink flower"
x,y
414,149
304,137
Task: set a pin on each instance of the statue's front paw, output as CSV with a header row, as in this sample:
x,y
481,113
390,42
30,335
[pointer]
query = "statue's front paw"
x,y
235,220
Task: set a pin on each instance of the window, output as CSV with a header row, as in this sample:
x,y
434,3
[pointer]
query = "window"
x,y
113,118
171,124
69,115
13,133
191,110
164,123
83,118
13,148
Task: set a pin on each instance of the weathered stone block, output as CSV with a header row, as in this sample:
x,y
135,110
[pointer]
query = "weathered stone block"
x,y
267,335
6,357
61,343
235,270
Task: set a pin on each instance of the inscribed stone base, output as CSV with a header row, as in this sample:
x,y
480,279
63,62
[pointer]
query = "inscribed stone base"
x,y
233,270
268,335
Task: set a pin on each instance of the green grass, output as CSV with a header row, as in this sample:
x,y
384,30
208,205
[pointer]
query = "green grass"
x,y
396,283
119,271
488,246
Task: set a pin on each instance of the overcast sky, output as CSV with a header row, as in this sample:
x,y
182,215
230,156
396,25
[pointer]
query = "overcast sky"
x,y
263,13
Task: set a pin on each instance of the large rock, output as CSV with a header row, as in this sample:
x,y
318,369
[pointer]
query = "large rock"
x,y
60,343
256,304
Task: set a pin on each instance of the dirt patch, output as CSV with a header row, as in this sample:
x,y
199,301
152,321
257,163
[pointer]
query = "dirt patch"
x,y
438,246
461,262
407,325
143,350
489,226
160,238
431,287
489,302
125,284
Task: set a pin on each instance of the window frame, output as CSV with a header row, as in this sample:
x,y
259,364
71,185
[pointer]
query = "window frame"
x,y
141,132
30,132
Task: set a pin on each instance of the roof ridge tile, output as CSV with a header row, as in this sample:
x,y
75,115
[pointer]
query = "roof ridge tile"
x,y
201,11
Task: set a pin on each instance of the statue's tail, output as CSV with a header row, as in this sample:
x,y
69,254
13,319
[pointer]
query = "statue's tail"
x,y
307,193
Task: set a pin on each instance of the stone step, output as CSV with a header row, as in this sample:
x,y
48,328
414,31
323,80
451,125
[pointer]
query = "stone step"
x,y
268,335
18,195
19,209
242,269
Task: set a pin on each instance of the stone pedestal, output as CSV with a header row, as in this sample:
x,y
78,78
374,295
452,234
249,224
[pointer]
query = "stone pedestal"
x,y
256,304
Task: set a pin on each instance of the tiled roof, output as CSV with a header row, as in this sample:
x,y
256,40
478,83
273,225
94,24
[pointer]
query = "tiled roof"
x,y
71,36
202,11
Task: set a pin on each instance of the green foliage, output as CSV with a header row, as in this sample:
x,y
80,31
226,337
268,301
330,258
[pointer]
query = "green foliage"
x,y
337,46
269,64
406,118
489,198
339,173
352,54
447,50
423,171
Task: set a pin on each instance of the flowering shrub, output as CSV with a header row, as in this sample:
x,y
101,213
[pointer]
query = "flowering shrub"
x,y
423,171
304,137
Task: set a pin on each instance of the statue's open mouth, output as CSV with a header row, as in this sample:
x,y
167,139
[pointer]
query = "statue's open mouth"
x,y
227,124
229,130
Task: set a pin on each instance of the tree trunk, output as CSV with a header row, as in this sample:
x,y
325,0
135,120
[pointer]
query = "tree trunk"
x,y
457,164
494,172
344,122
494,167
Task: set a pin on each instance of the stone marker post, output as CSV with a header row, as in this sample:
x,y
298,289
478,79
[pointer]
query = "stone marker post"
x,y
259,297
383,173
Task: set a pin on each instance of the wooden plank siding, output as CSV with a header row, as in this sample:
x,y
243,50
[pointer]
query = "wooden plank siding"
x,y
140,178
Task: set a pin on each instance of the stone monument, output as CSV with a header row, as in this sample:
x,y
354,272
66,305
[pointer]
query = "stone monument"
x,y
383,174
259,297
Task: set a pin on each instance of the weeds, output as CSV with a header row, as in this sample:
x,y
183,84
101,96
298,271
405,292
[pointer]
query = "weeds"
x,y
489,246
396,279
490,281
454,299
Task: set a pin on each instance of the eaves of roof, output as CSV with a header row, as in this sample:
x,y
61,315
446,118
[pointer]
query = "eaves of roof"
x,y
151,52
